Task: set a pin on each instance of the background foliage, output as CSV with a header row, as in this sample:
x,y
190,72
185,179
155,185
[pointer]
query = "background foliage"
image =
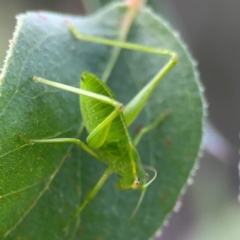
x,y
42,185
213,40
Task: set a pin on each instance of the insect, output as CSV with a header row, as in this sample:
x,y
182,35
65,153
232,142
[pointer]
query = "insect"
x,y
107,122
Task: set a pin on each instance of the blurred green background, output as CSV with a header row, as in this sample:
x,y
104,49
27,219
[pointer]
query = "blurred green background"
x,y
210,209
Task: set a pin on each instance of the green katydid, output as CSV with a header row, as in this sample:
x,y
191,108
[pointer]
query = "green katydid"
x,y
106,121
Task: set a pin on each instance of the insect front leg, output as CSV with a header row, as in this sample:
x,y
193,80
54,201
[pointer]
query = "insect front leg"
x,y
150,127
90,196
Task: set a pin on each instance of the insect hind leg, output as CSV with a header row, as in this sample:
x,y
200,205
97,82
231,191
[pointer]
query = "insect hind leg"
x,y
98,136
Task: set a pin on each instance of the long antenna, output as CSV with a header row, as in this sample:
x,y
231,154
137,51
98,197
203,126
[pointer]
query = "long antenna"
x,y
144,187
154,177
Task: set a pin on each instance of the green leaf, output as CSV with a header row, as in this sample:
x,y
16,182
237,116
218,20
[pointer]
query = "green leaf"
x,y
42,185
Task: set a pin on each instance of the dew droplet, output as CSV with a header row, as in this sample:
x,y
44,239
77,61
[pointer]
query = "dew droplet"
x,y
177,206
190,181
158,234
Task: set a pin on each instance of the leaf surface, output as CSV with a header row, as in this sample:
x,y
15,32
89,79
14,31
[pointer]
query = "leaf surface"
x,y
42,185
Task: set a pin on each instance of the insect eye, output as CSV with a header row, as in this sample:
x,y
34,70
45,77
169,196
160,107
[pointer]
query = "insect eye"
x,y
137,182
147,176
